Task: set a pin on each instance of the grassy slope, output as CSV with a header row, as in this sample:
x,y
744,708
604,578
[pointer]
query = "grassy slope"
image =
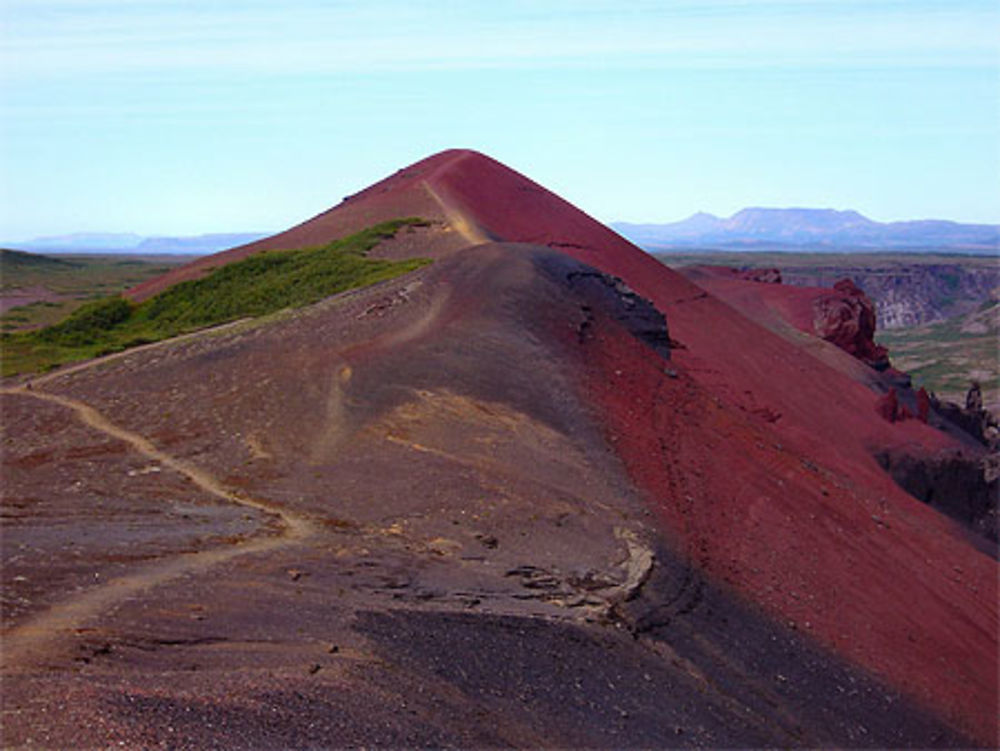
x,y
52,287
261,284
17,261
945,357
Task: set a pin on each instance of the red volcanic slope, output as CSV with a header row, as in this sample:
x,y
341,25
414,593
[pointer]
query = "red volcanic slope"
x,y
763,472
842,315
826,419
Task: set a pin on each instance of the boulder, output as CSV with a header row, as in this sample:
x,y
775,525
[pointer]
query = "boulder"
x,y
845,317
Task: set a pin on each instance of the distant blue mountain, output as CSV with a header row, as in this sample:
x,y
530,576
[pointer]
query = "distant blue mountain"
x,y
106,241
199,243
812,228
126,242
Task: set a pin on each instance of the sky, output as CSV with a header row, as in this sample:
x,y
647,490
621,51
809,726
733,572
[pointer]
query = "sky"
x,y
186,117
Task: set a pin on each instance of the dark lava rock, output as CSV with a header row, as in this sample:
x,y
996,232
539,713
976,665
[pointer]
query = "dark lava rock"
x,y
964,487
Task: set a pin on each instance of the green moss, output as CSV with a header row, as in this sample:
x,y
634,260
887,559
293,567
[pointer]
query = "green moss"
x,y
258,285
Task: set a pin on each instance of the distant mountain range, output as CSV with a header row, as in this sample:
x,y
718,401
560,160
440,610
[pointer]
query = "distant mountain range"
x,y
817,229
749,229
127,242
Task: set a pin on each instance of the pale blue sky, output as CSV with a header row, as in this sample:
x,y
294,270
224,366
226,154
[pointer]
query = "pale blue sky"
x,y
184,117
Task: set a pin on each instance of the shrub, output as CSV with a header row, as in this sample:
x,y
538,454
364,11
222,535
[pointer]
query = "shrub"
x,y
89,323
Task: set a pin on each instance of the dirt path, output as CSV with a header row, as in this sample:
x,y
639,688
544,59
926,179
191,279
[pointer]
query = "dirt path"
x,y
38,638
470,231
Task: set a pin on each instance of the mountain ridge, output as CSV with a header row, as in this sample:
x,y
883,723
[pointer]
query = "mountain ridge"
x,y
811,227
130,242
749,227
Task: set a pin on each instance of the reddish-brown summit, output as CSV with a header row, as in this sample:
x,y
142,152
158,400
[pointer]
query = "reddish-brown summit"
x,y
469,197
407,192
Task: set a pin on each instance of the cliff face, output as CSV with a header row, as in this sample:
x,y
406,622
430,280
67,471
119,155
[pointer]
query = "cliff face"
x,y
909,294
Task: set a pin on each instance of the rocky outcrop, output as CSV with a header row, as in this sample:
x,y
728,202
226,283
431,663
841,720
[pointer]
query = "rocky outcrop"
x,y
745,273
888,406
923,404
637,314
961,485
973,419
910,294
765,276
846,317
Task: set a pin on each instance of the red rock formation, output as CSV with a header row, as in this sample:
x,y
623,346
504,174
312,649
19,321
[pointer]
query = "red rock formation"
x,y
923,404
846,317
764,276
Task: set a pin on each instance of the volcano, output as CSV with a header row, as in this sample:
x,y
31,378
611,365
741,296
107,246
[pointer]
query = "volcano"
x,y
543,491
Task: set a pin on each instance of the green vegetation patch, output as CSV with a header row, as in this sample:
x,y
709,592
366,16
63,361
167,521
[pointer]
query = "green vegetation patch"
x,y
14,261
52,287
260,284
946,357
